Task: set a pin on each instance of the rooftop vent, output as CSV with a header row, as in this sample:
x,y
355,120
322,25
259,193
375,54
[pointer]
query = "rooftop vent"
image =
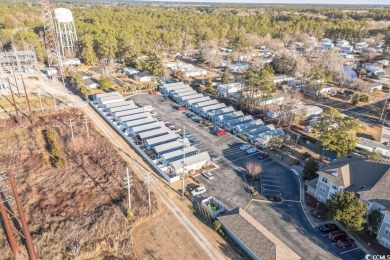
x,y
335,174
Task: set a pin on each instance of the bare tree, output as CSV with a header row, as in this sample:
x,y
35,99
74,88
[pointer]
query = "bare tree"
x,y
362,85
254,169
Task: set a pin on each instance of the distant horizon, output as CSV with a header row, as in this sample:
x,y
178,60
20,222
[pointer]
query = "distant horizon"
x,y
281,2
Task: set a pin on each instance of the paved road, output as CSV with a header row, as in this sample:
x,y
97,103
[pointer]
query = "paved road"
x,y
287,219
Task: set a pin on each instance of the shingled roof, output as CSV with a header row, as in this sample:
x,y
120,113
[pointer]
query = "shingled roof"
x,y
360,175
256,237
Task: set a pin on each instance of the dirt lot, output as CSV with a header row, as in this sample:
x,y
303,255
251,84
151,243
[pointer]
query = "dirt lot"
x,y
72,195
158,238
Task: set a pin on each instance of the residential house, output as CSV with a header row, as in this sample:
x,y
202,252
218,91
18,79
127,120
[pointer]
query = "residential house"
x,y
373,146
192,102
341,43
346,49
278,79
173,156
204,110
241,129
154,133
214,113
88,81
182,100
226,89
221,119
191,163
129,71
199,105
142,77
171,146
231,123
166,88
142,121
152,142
360,46
368,179
264,138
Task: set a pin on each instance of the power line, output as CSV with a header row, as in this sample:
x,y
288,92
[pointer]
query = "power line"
x,y
148,181
129,184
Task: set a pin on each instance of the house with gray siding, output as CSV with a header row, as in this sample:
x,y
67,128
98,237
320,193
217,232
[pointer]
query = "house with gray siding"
x,y
154,133
204,110
191,102
112,110
182,100
241,129
143,121
213,114
255,239
199,105
171,146
127,112
152,142
221,119
166,88
167,158
229,124
368,179
143,128
127,118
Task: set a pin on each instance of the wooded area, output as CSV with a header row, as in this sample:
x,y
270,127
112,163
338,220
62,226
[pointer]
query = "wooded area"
x,y
128,31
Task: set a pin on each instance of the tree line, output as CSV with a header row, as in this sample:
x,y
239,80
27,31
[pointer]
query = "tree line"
x,y
126,32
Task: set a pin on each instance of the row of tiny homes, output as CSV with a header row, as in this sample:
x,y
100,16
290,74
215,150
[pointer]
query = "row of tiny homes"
x,y
223,116
169,147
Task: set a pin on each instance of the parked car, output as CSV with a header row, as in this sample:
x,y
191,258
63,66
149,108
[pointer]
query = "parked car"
x,y
198,191
336,235
251,150
345,242
327,228
165,100
208,175
181,108
245,147
195,143
221,132
214,158
263,156
186,135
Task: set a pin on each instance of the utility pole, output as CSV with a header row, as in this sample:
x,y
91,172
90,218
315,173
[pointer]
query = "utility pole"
x,y
85,119
71,128
40,99
8,229
16,82
184,164
54,99
148,181
384,106
22,217
28,101
14,102
129,184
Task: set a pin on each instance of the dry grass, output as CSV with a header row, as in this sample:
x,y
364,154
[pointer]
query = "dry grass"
x,y
76,210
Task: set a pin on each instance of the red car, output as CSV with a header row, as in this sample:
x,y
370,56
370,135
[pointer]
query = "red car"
x,y
345,242
221,132
181,108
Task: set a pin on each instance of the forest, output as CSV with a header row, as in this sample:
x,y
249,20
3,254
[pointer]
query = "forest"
x,y
128,31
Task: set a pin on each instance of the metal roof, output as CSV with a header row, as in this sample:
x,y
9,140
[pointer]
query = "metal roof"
x,y
185,93
120,104
212,107
110,99
194,159
143,128
230,116
138,122
159,139
239,120
206,103
135,117
176,153
197,95
171,145
154,133
108,94
221,111
197,100
128,108
133,111
172,86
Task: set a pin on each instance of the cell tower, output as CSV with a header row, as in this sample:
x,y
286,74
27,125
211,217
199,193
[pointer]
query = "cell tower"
x,y
66,32
52,48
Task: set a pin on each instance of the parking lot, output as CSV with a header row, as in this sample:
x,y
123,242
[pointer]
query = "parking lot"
x,y
286,219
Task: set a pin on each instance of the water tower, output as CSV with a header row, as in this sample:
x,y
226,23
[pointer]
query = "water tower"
x,y
66,32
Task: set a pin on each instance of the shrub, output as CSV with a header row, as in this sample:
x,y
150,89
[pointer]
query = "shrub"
x,y
306,155
364,98
129,215
57,159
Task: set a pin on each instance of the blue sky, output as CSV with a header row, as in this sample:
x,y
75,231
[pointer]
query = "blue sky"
x,y
365,2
